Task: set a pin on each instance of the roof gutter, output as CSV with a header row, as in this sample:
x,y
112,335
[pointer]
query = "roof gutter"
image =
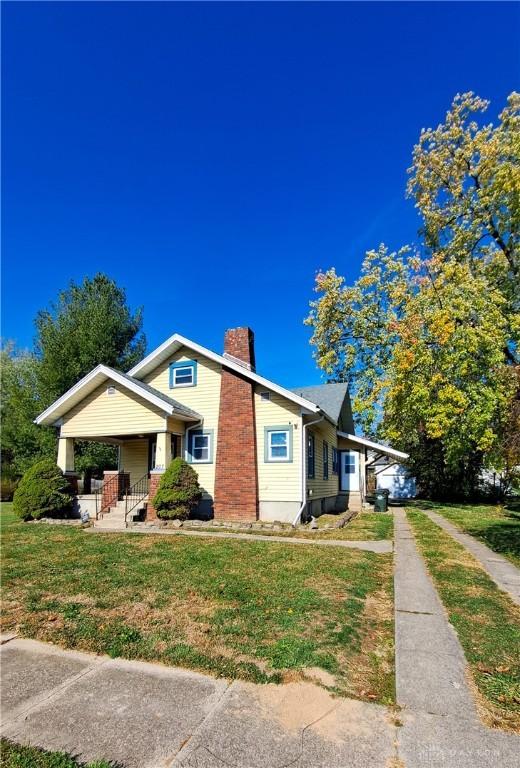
x,y
304,469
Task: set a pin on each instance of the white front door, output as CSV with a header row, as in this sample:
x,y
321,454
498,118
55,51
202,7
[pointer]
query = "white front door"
x,y
350,471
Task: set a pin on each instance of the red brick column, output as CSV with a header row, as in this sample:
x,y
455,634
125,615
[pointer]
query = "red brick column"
x,y
155,479
114,483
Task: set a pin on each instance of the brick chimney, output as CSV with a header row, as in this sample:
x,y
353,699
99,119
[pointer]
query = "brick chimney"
x,y
236,481
239,346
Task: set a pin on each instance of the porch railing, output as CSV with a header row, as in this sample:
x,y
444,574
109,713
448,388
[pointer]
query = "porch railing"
x,y
111,490
135,494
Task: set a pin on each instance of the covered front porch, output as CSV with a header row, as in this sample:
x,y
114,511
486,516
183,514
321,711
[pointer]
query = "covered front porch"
x,y
147,426
141,460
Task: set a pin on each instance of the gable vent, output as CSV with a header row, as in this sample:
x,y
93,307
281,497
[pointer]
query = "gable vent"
x,y
265,395
111,390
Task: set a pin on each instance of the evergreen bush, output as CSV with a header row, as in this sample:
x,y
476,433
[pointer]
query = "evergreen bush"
x,y
178,492
42,492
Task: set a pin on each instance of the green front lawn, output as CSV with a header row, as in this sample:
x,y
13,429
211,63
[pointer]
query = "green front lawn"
x,y
495,525
260,611
485,619
17,756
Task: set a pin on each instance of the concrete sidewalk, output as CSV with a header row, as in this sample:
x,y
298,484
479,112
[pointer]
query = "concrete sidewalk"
x,y
147,716
379,546
441,727
504,573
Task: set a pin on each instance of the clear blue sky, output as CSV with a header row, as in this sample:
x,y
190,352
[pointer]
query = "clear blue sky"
x,y
211,157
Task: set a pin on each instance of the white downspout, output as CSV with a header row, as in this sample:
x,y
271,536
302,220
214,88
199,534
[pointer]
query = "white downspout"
x,y
187,436
304,467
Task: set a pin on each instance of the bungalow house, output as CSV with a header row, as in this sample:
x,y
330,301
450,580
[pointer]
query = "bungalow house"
x,y
261,451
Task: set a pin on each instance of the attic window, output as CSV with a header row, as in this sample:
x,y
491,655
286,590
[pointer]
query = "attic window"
x,y
265,395
111,390
183,374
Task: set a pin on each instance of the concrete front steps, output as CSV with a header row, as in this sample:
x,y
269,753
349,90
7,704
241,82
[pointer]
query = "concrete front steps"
x,y
115,518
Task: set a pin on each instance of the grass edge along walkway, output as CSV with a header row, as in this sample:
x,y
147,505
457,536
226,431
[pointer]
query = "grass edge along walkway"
x,y
23,756
505,575
494,525
486,621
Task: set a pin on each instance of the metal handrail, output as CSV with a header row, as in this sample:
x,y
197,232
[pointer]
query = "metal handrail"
x,y
135,494
99,494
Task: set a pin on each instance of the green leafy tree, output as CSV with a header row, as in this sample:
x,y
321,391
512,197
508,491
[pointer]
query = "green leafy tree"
x,y
42,492
89,324
22,442
429,336
179,491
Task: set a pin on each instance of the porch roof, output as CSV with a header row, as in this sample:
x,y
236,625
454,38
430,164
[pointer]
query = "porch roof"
x,y
379,447
102,373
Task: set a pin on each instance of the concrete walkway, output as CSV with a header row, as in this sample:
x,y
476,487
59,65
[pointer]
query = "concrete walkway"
x,y
504,573
441,727
149,716
380,546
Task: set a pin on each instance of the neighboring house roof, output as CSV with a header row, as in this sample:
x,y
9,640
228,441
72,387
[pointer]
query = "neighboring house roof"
x,y
329,397
97,376
379,447
175,342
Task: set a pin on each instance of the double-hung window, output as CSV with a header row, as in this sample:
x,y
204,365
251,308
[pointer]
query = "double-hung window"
x,y
278,443
325,460
310,455
200,446
335,464
183,374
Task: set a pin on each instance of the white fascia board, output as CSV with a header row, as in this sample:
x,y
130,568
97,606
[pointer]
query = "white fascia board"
x,y
176,339
102,372
375,446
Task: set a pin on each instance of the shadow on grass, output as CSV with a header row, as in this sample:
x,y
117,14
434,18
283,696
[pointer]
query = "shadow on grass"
x,y
496,525
503,538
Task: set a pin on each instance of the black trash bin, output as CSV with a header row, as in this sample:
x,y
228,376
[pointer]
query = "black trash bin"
x,y
381,500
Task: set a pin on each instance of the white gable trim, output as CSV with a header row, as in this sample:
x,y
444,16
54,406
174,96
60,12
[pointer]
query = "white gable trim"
x,y
385,449
90,382
166,348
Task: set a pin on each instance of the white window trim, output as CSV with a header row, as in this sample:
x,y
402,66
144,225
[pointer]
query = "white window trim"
x,y
270,445
186,383
194,447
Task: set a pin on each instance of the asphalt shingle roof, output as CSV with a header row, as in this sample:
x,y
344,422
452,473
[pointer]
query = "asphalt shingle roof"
x,y
329,397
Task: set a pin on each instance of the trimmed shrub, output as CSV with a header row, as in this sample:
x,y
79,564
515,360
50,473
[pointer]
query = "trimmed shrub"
x,y
178,492
42,492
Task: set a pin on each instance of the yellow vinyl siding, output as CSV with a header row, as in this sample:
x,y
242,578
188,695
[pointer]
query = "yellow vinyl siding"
x,y
277,481
320,487
134,459
122,413
204,398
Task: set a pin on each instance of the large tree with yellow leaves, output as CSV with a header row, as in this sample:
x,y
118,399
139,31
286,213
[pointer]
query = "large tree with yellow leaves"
x,y
428,336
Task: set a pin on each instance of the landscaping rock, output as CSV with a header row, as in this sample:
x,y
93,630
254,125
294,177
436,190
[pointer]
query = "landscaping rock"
x,y
58,521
